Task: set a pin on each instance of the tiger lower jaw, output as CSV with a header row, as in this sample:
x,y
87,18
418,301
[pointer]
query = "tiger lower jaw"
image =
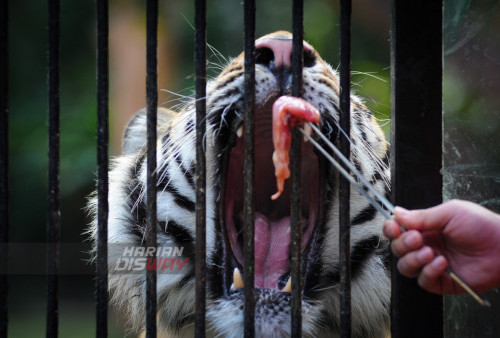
x,y
272,315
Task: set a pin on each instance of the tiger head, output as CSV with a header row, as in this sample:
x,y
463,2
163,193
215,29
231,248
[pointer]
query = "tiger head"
x,y
224,153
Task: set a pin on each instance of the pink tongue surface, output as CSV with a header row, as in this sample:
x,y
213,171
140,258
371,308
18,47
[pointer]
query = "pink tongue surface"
x,y
272,241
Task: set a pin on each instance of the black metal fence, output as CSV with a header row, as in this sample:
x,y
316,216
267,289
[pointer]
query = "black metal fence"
x,y
416,65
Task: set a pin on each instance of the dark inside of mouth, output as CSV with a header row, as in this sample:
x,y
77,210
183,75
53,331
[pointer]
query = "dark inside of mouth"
x,y
272,218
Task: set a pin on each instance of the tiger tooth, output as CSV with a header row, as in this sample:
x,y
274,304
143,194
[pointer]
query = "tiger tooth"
x,y
237,279
239,132
288,286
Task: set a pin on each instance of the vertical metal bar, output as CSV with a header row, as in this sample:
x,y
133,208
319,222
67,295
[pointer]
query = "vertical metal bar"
x,y
4,168
344,186
201,84
152,104
102,168
295,207
416,106
54,221
249,199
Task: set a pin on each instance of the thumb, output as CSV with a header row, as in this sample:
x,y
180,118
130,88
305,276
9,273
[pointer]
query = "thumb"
x,y
424,219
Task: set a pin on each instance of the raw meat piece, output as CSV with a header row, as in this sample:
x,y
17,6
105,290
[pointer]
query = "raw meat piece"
x,y
288,112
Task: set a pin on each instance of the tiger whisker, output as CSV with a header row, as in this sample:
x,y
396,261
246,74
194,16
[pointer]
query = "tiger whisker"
x,y
214,50
370,74
360,146
214,65
220,334
218,55
325,288
187,325
180,96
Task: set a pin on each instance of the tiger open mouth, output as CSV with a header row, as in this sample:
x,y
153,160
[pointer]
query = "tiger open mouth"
x,y
272,218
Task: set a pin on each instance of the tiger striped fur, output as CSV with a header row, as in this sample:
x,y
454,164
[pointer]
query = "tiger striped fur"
x,y
176,209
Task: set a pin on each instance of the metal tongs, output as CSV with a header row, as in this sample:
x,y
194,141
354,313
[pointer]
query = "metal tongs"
x,y
378,201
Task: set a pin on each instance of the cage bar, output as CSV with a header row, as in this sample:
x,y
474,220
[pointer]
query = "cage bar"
x,y
4,169
295,163
200,177
249,175
416,106
344,185
54,216
152,104
102,168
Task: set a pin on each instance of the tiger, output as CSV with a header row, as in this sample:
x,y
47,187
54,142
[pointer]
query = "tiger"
x,y
224,149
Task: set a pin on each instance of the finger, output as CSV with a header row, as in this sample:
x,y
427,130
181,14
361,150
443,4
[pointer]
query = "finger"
x,y
431,274
412,263
391,229
408,241
425,219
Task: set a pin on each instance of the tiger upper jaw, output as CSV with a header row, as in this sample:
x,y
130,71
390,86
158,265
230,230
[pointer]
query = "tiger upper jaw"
x,y
272,218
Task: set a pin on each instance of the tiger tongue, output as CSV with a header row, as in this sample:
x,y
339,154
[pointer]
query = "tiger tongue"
x,y
272,241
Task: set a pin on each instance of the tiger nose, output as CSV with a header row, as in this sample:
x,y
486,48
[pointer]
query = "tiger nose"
x,y
274,52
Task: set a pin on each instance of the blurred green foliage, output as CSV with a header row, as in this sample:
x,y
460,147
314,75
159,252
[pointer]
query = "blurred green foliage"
x,y
28,111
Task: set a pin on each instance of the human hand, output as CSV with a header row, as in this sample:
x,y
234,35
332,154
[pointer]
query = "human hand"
x,y
459,234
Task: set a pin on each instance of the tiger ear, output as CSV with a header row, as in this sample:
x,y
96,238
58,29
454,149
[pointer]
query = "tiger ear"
x,y
135,135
